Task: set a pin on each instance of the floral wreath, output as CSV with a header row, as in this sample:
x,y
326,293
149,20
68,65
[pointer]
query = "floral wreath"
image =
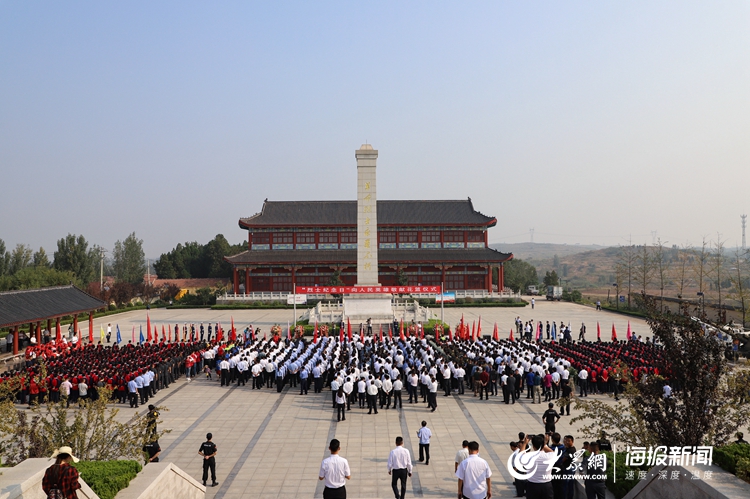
x,y
299,331
324,330
276,330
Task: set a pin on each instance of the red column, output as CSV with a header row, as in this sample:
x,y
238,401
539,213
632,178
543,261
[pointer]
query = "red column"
x,y
485,238
488,278
236,280
75,324
500,278
15,340
247,281
91,326
38,333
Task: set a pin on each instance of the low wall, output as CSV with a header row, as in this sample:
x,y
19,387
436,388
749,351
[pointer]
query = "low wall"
x,y
24,481
721,485
162,480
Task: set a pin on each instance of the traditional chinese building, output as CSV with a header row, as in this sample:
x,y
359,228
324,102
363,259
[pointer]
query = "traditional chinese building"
x,y
304,243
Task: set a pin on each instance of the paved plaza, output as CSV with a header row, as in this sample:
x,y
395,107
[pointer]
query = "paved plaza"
x,y
271,445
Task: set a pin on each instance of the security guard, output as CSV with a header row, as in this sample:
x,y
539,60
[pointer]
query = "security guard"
x,y
208,451
152,451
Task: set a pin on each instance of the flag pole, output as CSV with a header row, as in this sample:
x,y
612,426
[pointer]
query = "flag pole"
x,y
442,302
294,301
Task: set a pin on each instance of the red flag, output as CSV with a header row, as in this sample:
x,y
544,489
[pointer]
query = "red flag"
x,y
614,333
598,331
473,324
315,333
91,335
341,335
421,331
348,329
479,328
381,333
629,334
390,332
234,331
148,328
219,332
169,336
163,333
495,333
401,330
133,335
450,334
361,333
511,335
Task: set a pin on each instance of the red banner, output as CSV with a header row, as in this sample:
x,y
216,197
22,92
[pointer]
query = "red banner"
x,y
358,290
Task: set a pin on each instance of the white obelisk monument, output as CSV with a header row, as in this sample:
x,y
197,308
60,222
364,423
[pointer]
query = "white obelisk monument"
x,y
360,307
367,217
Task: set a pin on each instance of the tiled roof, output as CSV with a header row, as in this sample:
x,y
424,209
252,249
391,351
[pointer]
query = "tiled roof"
x,y
326,213
32,305
385,256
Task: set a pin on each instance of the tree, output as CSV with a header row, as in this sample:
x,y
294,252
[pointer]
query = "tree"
x,y
700,267
681,271
708,402
4,258
717,266
40,259
128,260
214,254
625,266
740,285
661,267
73,254
36,277
93,432
519,275
644,271
551,279
20,258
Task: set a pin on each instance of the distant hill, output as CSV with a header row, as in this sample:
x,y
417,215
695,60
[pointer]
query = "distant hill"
x,y
543,251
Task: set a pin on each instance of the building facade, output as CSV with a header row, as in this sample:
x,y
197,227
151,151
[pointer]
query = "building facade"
x,y
309,243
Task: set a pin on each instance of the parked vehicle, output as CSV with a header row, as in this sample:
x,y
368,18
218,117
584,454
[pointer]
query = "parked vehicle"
x,y
532,290
554,293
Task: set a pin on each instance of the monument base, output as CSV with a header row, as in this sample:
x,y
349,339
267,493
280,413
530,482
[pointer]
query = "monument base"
x,y
359,308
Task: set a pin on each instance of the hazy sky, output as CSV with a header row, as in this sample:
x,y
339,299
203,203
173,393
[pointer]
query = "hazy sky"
x,y
589,121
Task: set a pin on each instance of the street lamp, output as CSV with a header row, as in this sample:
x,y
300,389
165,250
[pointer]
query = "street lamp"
x,y
703,304
617,295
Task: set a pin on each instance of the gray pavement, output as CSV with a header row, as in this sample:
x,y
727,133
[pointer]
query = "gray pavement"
x,y
504,316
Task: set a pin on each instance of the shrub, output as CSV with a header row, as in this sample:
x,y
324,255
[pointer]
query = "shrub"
x,y
732,457
621,486
107,478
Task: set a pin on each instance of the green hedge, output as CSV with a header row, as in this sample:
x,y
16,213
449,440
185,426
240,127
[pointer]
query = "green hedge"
x,y
107,478
621,487
734,458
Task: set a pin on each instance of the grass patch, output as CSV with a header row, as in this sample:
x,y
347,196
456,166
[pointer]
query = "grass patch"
x,y
107,478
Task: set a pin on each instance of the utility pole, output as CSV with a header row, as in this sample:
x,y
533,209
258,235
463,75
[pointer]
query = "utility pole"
x,y
744,224
101,270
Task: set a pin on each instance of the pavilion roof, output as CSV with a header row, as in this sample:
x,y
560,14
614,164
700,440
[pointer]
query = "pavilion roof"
x,y
344,213
385,256
32,305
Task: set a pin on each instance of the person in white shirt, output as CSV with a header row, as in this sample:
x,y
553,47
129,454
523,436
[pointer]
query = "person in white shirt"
x,y
397,387
462,454
424,435
539,483
474,476
335,471
399,467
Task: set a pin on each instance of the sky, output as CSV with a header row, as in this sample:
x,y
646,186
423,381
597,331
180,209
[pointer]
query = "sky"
x,y
589,122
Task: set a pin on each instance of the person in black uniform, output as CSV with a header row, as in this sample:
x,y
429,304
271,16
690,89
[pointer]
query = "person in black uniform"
x,y
152,417
208,451
152,451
